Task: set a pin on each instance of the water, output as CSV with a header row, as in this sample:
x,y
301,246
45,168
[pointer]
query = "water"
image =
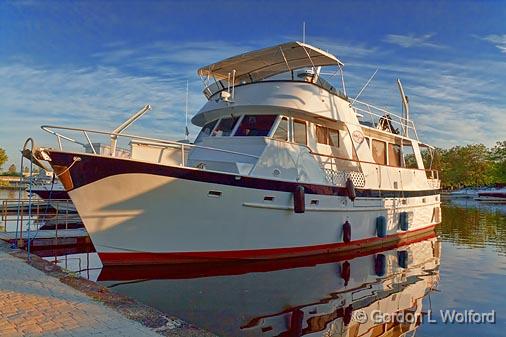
x,y
395,290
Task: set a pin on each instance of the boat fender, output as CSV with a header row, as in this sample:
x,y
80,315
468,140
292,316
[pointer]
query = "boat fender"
x,y
402,258
348,314
347,231
296,322
345,272
380,264
299,203
381,226
350,189
403,221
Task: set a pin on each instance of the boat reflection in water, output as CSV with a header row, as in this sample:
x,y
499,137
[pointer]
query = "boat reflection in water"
x,y
304,297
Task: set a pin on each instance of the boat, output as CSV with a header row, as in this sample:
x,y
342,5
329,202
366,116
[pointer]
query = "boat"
x,y
51,190
324,296
285,165
492,196
465,193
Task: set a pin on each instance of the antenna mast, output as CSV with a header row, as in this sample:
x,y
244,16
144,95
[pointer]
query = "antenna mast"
x,y
405,108
303,31
186,131
365,86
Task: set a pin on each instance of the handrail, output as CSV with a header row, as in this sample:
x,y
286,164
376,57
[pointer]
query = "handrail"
x,y
323,84
401,121
381,110
48,128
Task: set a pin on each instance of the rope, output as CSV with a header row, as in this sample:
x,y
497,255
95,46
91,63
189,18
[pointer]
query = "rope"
x,y
76,159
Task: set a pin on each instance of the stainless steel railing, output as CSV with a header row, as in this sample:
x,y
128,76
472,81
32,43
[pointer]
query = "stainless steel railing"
x,y
183,147
377,115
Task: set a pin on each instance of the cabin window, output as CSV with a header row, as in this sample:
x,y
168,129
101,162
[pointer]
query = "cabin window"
x,y
282,130
327,136
299,132
206,131
379,152
225,126
333,137
321,134
394,155
408,155
255,125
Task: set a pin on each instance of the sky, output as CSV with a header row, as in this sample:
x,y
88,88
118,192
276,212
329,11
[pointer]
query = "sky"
x,y
91,64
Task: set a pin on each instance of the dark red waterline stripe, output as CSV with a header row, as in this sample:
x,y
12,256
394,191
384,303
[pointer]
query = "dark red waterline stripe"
x,y
205,269
122,258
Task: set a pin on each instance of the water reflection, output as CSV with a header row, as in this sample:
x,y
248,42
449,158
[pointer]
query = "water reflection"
x,y
298,298
321,297
473,224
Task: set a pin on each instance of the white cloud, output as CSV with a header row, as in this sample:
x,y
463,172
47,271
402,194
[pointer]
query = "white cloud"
x,y
412,41
451,102
498,40
97,98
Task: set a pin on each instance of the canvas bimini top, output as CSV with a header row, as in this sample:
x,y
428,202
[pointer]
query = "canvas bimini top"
x,y
260,64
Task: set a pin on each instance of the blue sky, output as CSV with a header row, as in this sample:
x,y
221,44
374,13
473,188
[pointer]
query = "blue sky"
x,y
91,64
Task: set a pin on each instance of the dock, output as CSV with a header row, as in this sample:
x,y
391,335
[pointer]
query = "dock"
x,y
48,238
38,298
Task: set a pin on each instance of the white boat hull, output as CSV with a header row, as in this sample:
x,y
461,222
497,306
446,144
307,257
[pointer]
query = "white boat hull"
x,y
174,214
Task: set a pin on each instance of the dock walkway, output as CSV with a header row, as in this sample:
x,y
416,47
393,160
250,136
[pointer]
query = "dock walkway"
x,y
35,303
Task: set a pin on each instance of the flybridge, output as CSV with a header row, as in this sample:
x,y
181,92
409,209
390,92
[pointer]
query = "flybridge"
x,y
265,63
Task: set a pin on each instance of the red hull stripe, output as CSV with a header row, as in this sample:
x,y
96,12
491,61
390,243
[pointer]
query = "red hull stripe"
x,y
126,272
388,242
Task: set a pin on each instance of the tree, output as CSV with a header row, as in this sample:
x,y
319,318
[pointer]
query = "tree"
x,y
3,157
468,165
12,169
498,157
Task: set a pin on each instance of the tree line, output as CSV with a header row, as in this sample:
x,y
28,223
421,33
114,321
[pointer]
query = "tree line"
x,y
471,165
12,170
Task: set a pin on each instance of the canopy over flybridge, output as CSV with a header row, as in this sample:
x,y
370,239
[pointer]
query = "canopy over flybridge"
x,y
263,63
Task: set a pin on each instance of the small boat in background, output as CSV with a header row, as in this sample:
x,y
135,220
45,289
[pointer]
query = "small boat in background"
x,y
52,191
466,193
495,196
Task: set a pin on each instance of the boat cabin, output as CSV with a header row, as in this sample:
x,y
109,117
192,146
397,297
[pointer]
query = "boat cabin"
x,y
270,113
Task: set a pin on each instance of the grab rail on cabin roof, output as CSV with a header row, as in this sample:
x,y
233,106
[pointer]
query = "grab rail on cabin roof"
x,y
379,113
158,142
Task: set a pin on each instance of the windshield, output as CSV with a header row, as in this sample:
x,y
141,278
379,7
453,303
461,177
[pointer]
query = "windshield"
x,y
256,125
225,126
206,131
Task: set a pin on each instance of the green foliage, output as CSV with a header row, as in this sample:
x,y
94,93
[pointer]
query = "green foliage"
x,y
10,174
3,157
498,157
12,169
471,165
